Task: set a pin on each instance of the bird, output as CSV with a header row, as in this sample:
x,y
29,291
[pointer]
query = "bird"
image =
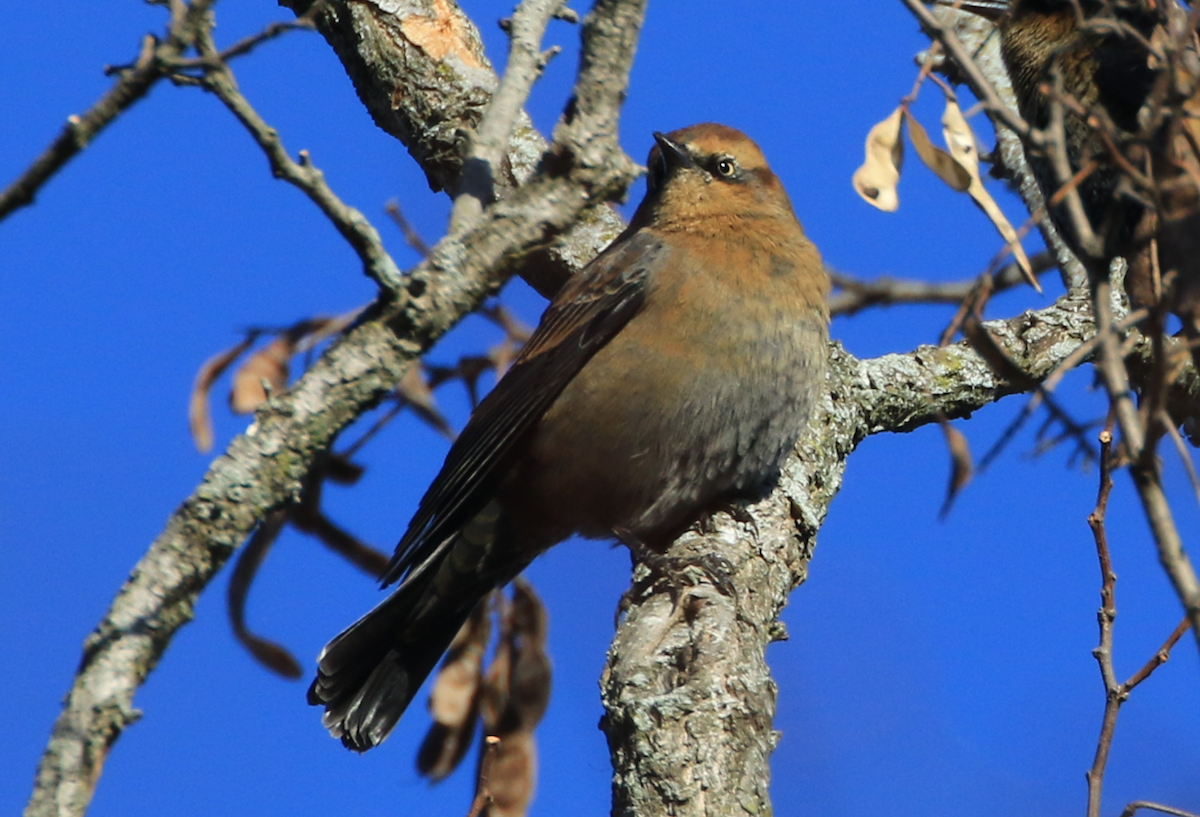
x,y
670,377
1103,53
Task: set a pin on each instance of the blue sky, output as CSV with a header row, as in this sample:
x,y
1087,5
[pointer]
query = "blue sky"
x,y
933,668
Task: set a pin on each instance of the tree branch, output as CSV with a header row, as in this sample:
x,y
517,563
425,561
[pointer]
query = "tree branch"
x,y
419,68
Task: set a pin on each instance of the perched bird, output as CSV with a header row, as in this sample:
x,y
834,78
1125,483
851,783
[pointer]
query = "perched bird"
x,y
1109,57
674,373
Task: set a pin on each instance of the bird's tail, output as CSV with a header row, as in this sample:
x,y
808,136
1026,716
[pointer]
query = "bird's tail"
x,y
370,672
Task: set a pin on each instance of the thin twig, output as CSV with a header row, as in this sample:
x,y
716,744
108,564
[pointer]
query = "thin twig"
x,y
1106,615
483,793
856,294
81,130
304,22
1159,658
350,222
1185,457
411,237
1140,804
489,143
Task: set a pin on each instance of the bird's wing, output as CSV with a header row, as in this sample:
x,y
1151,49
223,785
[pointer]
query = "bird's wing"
x,y
590,310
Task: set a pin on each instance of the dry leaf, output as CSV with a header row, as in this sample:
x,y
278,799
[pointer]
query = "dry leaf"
x,y
341,470
270,654
961,141
199,418
270,364
876,180
493,697
454,701
945,166
512,775
529,687
962,467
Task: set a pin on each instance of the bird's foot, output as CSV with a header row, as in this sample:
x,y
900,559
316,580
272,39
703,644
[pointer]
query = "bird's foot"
x,y
736,510
677,571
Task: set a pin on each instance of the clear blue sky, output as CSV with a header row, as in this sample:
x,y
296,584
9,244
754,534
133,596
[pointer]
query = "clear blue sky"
x,y
933,668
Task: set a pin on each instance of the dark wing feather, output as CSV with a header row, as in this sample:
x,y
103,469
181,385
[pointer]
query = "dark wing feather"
x,y
589,311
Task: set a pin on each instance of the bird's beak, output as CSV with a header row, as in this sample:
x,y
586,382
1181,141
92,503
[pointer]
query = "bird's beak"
x,y
673,154
988,9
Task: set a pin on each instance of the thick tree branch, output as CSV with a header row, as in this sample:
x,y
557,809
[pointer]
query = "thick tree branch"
x,y
419,68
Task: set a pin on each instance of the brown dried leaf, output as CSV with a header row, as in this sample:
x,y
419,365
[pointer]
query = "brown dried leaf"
x,y
962,467
270,364
366,558
514,328
454,701
457,683
199,418
470,369
879,174
945,166
513,775
502,356
961,141
529,687
268,653
493,696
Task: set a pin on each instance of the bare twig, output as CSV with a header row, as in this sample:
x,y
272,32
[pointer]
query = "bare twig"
x,y
980,85
411,237
1114,694
1145,804
1143,463
526,61
244,46
1185,457
352,224
483,793
1159,658
856,295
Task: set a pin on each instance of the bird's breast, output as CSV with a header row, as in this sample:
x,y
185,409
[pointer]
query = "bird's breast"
x,y
699,396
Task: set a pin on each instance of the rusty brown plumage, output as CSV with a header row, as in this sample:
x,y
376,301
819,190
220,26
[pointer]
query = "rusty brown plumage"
x,y
675,372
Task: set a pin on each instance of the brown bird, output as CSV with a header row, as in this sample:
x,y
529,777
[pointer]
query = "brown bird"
x,y
1103,54
674,373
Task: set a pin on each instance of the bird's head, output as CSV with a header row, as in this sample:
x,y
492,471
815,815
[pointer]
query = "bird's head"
x,y
705,172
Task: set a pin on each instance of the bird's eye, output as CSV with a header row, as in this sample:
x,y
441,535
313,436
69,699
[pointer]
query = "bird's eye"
x,y
726,167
